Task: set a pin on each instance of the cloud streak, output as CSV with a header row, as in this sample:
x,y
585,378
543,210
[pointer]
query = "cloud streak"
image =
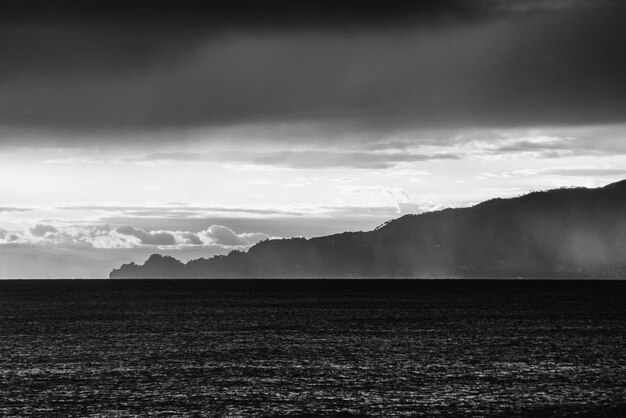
x,y
14,209
182,212
298,159
572,171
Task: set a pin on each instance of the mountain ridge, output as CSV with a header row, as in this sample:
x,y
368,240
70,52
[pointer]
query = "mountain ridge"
x,y
555,233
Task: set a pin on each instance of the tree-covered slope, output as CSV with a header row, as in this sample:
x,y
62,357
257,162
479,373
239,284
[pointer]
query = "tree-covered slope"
x,y
563,232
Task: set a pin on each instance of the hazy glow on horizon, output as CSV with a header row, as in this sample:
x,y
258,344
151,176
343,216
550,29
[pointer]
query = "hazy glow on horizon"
x,y
311,182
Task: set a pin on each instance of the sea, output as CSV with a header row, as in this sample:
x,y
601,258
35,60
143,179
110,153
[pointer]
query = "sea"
x,y
137,348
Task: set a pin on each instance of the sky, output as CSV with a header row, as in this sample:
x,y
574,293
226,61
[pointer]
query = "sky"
x,y
193,130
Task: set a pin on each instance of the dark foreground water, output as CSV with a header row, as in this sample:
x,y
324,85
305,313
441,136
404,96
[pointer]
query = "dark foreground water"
x,y
304,347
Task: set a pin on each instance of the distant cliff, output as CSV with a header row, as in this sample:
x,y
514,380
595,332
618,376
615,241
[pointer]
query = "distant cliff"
x,y
555,233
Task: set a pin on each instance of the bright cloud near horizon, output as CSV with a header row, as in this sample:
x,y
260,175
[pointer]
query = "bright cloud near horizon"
x,y
178,130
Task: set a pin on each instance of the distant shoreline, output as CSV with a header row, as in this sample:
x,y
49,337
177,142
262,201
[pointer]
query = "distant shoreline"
x,y
467,279
558,233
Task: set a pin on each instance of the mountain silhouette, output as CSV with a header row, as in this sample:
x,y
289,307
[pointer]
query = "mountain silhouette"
x,y
568,232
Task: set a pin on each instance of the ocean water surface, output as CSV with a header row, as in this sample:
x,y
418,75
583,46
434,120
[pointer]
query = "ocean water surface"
x,y
312,347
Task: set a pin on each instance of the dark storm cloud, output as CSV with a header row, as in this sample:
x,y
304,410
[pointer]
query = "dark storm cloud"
x,y
222,14
388,66
75,38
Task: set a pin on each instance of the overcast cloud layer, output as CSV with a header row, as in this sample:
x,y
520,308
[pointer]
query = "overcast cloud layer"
x,y
418,64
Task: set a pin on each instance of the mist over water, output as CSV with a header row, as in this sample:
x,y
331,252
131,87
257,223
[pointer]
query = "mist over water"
x,y
319,347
